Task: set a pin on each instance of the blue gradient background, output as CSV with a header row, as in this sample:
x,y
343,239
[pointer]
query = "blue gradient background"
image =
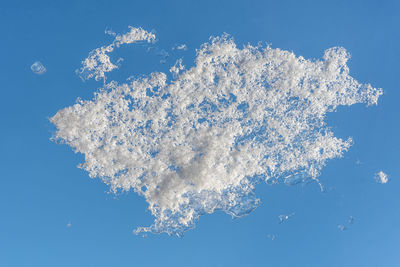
x,y
42,190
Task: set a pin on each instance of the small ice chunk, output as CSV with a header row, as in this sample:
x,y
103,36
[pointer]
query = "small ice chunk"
x,y
271,236
381,177
342,227
283,217
38,68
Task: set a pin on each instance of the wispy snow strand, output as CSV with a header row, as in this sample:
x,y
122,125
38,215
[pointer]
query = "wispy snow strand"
x,y
180,47
98,63
202,141
350,222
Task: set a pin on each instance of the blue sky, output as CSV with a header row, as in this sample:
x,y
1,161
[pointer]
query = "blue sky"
x,y
42,190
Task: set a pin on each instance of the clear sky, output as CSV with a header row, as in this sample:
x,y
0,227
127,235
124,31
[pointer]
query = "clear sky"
x,y
53,214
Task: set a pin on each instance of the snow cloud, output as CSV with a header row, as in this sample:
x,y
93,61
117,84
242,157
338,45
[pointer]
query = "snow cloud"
x,y
202,141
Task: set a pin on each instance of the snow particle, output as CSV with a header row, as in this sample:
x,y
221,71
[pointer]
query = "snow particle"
x,y
38,68
283,218
381,177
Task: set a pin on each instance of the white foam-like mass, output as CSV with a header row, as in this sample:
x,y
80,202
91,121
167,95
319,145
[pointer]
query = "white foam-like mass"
x,y
201,142
98,63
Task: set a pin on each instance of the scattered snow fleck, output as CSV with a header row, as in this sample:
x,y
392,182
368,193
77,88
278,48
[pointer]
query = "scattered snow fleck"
x,y
381,177
109,32
271,236
180,47
38,68
164,56
342,227
351,220
69,224
283,218
201,142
